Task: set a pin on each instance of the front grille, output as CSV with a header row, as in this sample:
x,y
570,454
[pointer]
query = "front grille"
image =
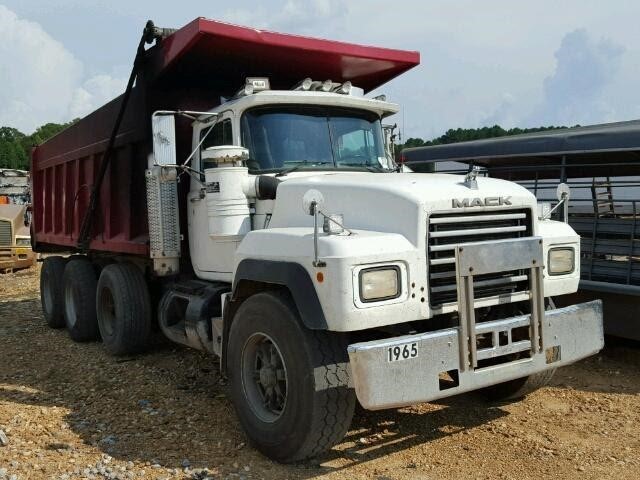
x,y
447,231
5,233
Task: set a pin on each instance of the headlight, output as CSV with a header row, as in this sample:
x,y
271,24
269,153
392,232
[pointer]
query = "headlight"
x,y
23,242
561,261
379,283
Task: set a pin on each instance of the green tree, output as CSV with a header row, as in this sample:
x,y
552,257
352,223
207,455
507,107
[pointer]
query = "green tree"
x,y
469,134
12,153
15,146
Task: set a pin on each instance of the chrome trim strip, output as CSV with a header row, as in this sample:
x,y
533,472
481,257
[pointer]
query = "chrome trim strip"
x,y
477,231
476,218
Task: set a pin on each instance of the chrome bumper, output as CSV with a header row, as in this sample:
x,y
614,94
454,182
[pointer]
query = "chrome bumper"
x,y
568,334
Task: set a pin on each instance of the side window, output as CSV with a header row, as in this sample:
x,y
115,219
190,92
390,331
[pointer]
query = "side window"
x,y
221,134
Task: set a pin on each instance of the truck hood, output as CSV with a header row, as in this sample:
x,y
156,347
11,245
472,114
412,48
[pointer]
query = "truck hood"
x,y
394,202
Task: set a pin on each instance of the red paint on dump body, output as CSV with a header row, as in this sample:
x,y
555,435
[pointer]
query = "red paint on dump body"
x,y
190,69
227,53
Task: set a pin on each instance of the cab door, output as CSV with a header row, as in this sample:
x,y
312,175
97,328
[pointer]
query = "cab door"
x,y
211,260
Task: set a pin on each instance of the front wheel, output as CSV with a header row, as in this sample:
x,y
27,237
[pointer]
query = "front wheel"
x,y
290,385
518,388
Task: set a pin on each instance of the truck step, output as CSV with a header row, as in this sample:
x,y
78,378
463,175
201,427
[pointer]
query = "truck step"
x,y
187,313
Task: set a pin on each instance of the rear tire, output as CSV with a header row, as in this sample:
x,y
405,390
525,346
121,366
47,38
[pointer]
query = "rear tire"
x,y
289,384
518,388
123,309
51,291
79,285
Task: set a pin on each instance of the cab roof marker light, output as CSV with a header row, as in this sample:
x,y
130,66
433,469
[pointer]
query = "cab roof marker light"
x,y
344,88
258,83
244,91
253,85
304,85
309,84
381,98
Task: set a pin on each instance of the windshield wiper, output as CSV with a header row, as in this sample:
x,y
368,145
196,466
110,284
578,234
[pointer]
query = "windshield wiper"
x,y
376,168
287,171
370,168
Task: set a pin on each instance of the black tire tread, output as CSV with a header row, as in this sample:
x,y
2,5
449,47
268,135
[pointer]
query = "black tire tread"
x,y
333,401
334,417
128,285
53,266
81,271
519,388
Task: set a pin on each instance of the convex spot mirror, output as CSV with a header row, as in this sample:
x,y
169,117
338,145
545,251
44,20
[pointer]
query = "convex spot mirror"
x,y
309,198
563,191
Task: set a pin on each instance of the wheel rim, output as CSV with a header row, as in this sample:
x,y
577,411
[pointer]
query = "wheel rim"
x,y
108,312
70,305
264,377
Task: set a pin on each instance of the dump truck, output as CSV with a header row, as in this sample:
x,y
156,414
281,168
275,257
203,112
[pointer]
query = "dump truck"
x,y
241,198
15,238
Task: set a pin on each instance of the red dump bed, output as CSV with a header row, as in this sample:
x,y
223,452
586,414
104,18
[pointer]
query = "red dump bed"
x,y
190,69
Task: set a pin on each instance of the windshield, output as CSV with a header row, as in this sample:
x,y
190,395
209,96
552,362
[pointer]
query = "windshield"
x,y
305,137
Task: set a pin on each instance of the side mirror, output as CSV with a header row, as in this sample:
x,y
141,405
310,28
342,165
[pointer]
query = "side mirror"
x,y
563,192
164,139
26,219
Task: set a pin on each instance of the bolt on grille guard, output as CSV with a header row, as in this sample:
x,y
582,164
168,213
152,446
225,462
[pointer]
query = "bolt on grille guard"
x,y
479,258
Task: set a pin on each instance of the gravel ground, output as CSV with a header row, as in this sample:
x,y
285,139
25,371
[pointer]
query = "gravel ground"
x,y
69,411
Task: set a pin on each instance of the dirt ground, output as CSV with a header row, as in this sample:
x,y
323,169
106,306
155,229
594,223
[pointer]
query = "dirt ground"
x,y
69,411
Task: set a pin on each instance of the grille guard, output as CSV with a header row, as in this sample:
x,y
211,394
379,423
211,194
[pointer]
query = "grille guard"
x,y
571,333
481,258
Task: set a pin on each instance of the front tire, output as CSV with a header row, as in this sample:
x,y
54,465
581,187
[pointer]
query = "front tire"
x,y
518,388
289,384
123,309
80,283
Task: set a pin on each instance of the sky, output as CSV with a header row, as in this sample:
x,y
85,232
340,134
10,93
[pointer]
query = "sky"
x,y
512,63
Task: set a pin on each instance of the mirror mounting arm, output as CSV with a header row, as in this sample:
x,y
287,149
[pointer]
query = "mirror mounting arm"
x,y
316,262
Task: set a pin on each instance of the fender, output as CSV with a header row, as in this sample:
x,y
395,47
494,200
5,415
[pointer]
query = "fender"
x,y
288,274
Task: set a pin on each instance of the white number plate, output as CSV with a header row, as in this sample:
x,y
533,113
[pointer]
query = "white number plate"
x,y
402,352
